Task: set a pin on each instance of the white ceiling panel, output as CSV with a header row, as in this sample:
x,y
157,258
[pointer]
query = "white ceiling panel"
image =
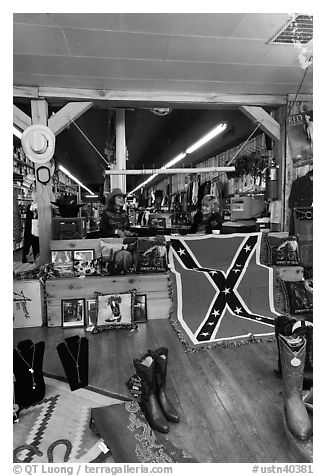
x,y
179,24
97,21
217,50
108,44
73,66
287,55
163,70
38,40
260,25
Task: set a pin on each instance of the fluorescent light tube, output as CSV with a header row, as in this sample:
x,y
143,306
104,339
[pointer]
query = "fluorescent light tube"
x,y
210,135
142,184
214,132
175,160
17,132
65,171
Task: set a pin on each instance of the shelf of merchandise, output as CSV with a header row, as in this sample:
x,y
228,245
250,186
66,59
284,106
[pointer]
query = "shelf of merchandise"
x,y
22,168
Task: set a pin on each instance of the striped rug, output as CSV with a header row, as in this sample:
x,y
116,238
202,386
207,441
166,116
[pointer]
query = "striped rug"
x,y
62,414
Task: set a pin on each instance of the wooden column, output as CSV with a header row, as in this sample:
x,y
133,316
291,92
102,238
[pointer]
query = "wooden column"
x,y
120,151
43,191
280,155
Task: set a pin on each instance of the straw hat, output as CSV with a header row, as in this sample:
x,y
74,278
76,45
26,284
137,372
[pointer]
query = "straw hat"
x,y
38,143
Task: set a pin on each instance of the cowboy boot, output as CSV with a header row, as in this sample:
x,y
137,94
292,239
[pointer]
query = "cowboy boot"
x,y
292,354
145,369
161,361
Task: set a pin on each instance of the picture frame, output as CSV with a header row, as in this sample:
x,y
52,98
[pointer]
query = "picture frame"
x,y
115,311
83,255
140,308
91,312
61,257
73,312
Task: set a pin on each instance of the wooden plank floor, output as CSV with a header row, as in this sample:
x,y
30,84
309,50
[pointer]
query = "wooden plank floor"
x,y
229,399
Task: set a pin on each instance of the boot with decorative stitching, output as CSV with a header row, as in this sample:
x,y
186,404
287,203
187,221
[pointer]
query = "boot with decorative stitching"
x,y
292,355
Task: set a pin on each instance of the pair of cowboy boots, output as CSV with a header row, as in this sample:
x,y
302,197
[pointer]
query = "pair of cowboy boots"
x,y
151,369
292,357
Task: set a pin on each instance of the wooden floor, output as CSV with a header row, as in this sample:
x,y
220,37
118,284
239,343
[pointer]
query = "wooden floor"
x,y
228,399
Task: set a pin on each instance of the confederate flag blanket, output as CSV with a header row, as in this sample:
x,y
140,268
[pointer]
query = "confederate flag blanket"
x,y
222,294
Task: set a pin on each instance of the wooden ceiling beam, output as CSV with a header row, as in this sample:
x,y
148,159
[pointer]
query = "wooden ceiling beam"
x,y
20,119
267,123
70,112
150,98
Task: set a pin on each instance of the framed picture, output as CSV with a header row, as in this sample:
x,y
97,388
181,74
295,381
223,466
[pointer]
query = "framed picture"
x,y
140,308
61,257
115,310
91,312
73,312
83,255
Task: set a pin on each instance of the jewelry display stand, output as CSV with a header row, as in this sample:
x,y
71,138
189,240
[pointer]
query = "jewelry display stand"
x,y
29,385
73,354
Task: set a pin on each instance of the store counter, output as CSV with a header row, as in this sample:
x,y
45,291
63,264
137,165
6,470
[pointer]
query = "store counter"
x,y
247,226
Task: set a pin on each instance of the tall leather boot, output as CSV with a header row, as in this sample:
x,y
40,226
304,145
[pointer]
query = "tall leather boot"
x,y
292,354
145,369
161,361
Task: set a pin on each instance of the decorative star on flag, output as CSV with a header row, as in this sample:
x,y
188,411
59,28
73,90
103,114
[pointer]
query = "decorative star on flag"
x,y
226,291
236,270
238,310
181,252
213,272
247,248
205,334
216,313
211,323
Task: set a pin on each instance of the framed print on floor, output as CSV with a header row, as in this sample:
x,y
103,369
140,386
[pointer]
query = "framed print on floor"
x,y
73,312
115,311
140,308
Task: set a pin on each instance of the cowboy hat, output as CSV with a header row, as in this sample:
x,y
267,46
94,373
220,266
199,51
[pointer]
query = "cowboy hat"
x,y
115,193
38,143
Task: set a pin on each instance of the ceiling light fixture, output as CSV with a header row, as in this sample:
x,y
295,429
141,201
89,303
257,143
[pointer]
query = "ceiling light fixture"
x,y
17,132
206,138
65,171
209,136
161,111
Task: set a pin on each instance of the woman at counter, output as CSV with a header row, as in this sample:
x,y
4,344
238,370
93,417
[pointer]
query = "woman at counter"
x,y
208,218
114,220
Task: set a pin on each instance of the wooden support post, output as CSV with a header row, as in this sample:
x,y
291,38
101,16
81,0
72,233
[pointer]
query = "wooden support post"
x,y
70,112
120,145
267,123
20,119
279,152
43,191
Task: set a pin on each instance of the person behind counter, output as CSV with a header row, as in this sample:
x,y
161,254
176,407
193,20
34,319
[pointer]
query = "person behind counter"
x,y
208,218
114,219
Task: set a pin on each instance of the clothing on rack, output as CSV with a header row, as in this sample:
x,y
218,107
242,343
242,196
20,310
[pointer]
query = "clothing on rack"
x,y
195,189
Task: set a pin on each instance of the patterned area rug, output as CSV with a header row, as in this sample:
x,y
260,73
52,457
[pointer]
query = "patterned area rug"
x,y
221,292
62,414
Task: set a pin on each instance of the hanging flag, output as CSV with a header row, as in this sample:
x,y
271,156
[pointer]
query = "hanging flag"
x,y
222,291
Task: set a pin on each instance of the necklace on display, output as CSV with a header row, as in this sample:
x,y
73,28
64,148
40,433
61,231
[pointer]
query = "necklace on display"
x,y
75,360
30,367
